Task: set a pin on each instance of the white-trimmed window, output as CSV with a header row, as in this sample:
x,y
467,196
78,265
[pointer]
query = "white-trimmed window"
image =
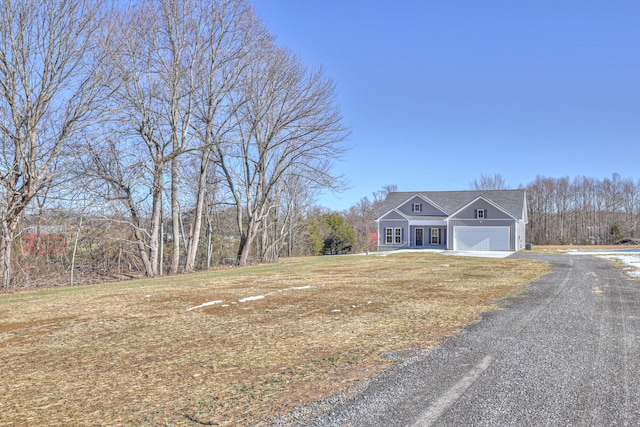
x,y
481,214
388,233
393,236
417,207
435,236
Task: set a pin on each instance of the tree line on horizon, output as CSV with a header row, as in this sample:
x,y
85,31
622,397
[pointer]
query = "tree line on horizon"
x,y
583,210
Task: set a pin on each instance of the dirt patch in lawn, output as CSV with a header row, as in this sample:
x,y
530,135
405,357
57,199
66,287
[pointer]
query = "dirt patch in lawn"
x,y
232,347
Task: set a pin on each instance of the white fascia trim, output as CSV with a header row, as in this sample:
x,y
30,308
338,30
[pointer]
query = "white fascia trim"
x,y
393,210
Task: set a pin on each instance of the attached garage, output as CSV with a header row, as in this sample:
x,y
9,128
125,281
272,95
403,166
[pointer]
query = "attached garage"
x,y
481,238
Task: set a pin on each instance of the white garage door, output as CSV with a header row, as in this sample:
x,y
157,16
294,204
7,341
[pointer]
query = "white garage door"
x,y
481,238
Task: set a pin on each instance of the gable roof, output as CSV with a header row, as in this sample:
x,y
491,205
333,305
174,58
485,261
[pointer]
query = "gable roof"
x,y
495,205
431,202
511,201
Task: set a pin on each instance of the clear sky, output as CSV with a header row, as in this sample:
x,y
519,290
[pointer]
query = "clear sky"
x,y
437,93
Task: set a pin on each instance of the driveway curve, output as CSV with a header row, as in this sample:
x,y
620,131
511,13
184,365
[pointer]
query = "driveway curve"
x,y
565,353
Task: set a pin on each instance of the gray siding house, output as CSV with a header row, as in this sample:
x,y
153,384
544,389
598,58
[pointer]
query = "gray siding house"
x,y
492,220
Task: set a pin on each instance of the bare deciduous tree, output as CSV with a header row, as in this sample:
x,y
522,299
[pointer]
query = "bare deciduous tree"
x,y
489,182
362,217
284,225
288,122
160,47
229,30
50,72
137,135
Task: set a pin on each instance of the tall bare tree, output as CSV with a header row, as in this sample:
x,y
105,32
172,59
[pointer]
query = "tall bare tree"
x,y
229,31
288,121
137,127
50,72
179,44
160,47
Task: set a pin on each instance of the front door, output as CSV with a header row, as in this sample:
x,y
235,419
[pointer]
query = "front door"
x,y
419,232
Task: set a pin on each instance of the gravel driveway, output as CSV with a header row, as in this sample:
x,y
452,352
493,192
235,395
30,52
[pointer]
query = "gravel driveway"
x,y
566,353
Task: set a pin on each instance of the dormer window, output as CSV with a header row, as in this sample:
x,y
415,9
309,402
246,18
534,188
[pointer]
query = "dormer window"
x,y
417,207
480,214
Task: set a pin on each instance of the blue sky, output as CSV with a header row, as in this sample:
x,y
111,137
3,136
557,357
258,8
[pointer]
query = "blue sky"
x,y
438,93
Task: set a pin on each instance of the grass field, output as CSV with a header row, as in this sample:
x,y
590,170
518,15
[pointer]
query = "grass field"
x,y
236,346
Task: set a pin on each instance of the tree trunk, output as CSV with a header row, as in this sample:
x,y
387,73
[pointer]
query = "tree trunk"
x,y
75,250
209,246
156,222
243,250
194,235
175,217
246,240
5,254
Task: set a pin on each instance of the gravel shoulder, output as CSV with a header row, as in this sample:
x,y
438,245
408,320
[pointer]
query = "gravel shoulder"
x,y
565,352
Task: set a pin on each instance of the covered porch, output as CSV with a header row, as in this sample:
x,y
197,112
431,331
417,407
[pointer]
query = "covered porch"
x,y
428,234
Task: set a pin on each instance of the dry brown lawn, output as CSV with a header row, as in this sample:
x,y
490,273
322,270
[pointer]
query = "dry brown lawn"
x,y
133,353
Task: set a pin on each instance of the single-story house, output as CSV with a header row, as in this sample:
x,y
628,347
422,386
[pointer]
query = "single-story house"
x,y
478,220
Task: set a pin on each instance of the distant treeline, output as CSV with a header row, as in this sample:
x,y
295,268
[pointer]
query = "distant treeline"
x,y
582,210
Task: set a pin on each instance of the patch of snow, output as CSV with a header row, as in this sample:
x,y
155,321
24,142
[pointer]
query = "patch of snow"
x,y
257,297
603,252
632,261
251,298
335,310
206,304
298,288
